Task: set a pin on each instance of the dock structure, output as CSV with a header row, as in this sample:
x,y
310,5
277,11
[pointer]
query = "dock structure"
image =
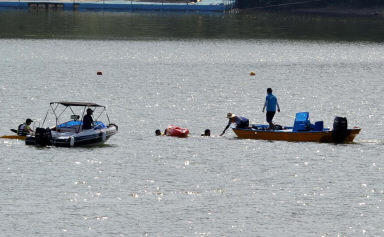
x,y
123,5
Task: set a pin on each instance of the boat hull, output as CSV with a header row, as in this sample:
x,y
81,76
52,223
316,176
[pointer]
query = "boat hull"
x,y
307,136
90,137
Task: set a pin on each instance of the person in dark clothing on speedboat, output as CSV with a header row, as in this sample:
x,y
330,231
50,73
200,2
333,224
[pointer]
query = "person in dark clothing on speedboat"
x,y
241,122
271,104
88,120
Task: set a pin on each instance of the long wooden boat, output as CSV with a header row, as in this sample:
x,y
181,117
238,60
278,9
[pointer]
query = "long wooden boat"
x,y
302,131
13,137
299,136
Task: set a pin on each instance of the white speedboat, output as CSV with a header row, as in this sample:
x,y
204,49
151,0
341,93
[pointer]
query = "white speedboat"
x,y
71,133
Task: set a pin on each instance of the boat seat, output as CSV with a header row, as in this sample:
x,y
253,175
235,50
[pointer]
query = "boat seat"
x,y
302,122
319,126
73,129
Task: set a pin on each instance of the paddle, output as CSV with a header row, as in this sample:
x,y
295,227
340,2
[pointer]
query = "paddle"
x,y
14,130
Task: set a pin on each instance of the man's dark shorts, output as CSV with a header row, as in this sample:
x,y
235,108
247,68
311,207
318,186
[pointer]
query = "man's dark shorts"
x,y
270,115
243,125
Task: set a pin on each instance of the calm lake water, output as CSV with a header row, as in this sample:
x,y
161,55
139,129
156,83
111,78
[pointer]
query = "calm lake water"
x,y
142,185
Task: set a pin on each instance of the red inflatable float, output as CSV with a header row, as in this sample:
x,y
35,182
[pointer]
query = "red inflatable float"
x,y
176,131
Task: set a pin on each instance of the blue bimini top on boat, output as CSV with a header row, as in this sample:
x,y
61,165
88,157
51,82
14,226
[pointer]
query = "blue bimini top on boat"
x,y
98,124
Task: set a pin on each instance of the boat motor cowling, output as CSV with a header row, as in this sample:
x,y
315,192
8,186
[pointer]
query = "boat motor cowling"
x,y
43,136
340,129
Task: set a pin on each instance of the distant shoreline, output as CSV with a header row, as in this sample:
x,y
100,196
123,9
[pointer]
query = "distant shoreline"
x,y
327,11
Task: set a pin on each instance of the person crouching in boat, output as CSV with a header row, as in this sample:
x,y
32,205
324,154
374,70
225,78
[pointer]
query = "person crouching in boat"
x,y
25,129
241,122
88,120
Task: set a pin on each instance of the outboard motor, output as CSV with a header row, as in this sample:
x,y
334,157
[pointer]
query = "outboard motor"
x,y
340,128
43,136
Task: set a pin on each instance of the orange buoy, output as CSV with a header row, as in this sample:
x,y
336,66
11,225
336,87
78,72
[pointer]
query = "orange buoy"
x,y
99,73
252,73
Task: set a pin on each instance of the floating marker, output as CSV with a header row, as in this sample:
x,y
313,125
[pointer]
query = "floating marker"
x,y
99,73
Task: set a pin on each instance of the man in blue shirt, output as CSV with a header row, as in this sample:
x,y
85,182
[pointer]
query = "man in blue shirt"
x,y
271,104
241,122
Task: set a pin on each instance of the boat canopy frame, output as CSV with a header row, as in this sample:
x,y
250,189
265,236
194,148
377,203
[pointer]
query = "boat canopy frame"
x,y
54,106
68,103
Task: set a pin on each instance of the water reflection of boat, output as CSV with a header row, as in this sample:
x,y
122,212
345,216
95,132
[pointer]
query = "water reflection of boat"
x,y
70,133
302,131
